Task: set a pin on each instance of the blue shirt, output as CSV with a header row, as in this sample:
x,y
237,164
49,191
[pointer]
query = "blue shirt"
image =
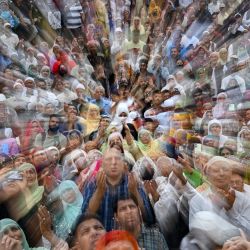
x,y
112,194
104,104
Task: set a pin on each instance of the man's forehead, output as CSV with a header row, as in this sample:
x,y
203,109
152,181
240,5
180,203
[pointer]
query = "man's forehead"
x,y
126,202
112,151
89,223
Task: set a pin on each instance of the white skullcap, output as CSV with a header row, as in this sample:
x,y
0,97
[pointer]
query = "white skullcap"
x,y
2,98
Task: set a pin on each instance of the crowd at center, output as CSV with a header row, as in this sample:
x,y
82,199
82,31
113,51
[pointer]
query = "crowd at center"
x,y
125,125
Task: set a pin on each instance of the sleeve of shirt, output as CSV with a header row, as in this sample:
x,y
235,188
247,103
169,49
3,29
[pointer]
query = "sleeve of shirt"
x,y
38,141
239,214
150,216
162,242
87,194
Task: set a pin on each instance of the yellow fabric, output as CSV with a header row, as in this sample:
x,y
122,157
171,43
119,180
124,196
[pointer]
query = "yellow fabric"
x,y
91,123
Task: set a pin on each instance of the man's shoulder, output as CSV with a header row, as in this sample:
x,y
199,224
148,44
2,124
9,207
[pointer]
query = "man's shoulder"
x,y
152,233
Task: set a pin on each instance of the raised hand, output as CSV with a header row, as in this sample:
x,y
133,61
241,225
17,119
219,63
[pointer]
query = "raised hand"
x,y
8,243
101,182
45,221
237,243
132,184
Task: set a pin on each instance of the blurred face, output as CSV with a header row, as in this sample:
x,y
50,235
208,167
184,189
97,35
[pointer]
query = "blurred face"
x,y
113,164
127,215
174,52
143,66
237,182
104,122
215,129
29,84
179,77
19,161
49,109
88,233
223,54
219,174
35,127
13,232
74,142
136,23
157,99
247,115
40,157
145,138
69,195
45,72
93,112
116,140
10,188
59,85
42,85
106,43
225,152
99,93
30,176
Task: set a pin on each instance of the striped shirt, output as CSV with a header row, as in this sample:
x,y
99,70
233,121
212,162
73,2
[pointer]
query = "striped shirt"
x,y
112,194
74,17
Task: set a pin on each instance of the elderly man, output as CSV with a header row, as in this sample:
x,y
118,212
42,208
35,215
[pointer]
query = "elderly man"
x,y
111,183
103,103
220,198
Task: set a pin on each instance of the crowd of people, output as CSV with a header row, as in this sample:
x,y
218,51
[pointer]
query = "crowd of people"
x,y
125,124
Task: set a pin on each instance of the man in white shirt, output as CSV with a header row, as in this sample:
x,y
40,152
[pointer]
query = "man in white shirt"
x,y
231,205
214,6
10,39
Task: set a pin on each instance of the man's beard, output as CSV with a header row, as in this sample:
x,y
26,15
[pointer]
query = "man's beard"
x,y
54,129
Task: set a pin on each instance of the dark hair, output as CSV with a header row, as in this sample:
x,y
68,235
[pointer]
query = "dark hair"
x,y
157,91
85,217
148,120
55,115
56,79
227,148
124,197
238,171
147,174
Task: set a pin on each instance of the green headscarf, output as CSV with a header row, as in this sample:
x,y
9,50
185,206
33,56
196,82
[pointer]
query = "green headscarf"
x,y
151,147
36,191
7,223
71,210
27,198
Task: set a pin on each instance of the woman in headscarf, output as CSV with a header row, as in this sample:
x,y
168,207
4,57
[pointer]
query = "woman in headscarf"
x,y
33,128
53,155
73,165
72,201
215,130
92,118
243,141
202,80
45,75
23,208
223,55
221,107
14,234
64,204
121,116
147,144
